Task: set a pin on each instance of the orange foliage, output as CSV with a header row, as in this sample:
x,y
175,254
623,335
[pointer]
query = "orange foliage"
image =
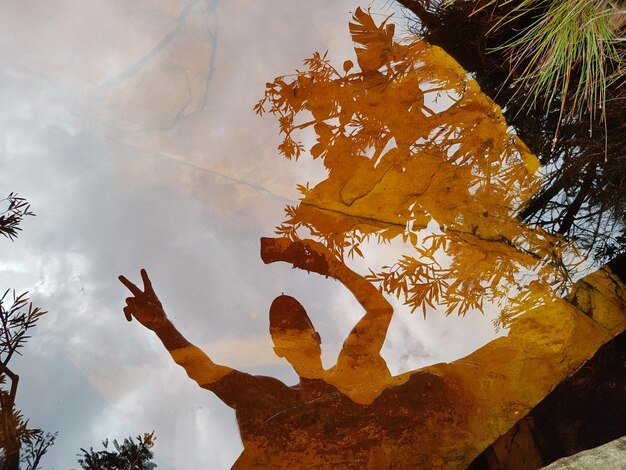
x,y
414,149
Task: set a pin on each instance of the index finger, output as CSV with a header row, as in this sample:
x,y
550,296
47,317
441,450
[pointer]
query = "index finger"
x,y
147,284
131,287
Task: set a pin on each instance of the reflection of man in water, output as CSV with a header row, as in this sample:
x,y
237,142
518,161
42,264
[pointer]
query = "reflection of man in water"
x,y
329,418
442,416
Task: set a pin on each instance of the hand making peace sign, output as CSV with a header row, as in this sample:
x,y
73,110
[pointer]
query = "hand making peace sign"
x,y
144,306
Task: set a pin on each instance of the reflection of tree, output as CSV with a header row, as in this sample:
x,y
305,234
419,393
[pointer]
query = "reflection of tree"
x,y
413,149
129,455
11,217
19,443
583,194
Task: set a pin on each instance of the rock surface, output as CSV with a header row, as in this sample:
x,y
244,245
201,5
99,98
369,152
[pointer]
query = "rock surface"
x,y
609,456
577,415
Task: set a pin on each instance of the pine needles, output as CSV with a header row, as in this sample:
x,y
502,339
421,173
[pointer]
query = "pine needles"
x,y
567,50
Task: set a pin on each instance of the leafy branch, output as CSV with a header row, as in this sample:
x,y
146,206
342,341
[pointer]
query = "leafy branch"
x,y
10,218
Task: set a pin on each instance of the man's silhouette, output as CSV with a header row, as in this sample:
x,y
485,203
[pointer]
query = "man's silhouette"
x,y
438,417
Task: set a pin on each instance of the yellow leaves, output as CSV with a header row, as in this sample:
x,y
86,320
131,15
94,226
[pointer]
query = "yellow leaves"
x,y
409,139
437,242
464,295
424,295
290,148
531,161
392,232
303,189
374,43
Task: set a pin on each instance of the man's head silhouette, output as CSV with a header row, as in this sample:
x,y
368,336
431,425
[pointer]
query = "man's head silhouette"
x,y
295,337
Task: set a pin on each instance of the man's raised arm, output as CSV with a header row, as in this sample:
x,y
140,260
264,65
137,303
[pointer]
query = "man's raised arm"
x,y
368,335
146,308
